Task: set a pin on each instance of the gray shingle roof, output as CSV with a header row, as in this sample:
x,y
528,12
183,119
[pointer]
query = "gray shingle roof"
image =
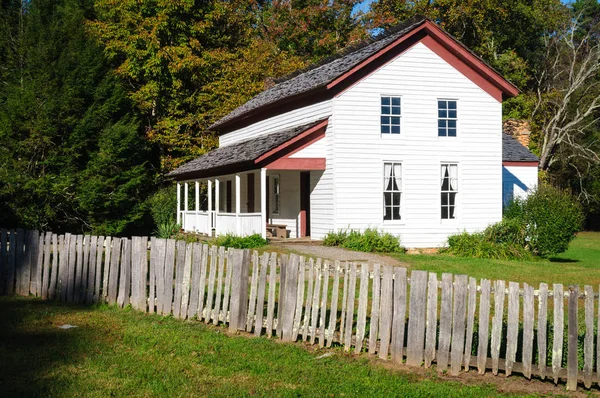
x,y
240,153
320,75
514,151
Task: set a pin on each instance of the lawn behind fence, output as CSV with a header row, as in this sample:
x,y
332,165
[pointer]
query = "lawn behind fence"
x,y
580,265
120,352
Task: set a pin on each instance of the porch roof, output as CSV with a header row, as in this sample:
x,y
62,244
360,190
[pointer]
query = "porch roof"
x,y
252,153
514,152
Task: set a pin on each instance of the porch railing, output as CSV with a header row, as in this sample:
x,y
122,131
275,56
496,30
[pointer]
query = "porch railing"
x,y
249,223
197,221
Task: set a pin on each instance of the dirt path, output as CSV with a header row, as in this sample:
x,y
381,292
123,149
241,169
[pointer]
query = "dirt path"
x,y
338,253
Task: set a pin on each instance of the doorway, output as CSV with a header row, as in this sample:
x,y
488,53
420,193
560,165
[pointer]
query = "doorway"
x,y
304,204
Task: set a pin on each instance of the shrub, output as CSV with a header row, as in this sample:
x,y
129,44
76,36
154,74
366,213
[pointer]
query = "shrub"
x,y
371,240
238,242
163,206
482,245
550,218
167,230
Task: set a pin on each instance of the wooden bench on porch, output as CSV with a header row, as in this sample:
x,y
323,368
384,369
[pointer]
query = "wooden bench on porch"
x,y
277,230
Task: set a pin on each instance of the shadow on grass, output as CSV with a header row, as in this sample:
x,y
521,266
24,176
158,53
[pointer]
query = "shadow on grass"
x,y
31,348
562,260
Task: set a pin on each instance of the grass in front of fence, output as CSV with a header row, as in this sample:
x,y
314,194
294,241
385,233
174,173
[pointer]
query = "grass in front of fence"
x,y
579,265
115,352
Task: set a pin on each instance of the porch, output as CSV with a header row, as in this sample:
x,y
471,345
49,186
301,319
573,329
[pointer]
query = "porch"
x,y
246,187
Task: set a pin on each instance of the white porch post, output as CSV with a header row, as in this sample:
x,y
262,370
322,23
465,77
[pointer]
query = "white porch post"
x,y
217,200
238,207
263,202
209,210
197,203
185,202
178,204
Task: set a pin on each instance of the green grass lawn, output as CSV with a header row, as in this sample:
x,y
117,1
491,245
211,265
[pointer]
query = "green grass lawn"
x,y
579,265
117,352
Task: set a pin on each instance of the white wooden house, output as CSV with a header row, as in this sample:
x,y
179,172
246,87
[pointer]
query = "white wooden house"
x,y
403,134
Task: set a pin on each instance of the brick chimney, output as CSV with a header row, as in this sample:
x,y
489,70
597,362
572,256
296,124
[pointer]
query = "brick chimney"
x,y
519,129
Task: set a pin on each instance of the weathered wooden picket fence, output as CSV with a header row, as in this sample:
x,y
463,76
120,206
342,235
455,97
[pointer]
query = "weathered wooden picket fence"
x,y
365,306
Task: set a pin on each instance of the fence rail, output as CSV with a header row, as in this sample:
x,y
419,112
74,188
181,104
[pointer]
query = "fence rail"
x,y
454,322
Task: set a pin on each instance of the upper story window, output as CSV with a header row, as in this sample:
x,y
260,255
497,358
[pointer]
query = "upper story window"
x,y
449,182
392,190
447,118
390,115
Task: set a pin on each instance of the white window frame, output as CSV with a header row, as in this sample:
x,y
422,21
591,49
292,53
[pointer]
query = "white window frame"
x,y
276,194
447,118
400,190
449,191
390,115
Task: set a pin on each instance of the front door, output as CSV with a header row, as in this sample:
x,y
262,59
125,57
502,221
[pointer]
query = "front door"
x,y
250,192
305,203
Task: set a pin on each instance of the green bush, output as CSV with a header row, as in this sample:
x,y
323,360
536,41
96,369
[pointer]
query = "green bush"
x,y
371,240
163,207
238,242
550,218
483,245
167,230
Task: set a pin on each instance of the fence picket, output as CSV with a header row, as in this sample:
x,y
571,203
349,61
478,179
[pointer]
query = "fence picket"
x,y
39,268
344,301
220,277
557,344
159,273
472,303
416,318
333,309
185,286
361,320
78,270
300,300
283,264
142,266
54,269
351,297
152,278
512,333
573,334
126,273
86,267
315,301
431,322
19,261
542,329
385,316
459,317
271,298
168,277
374,319
91,274
106,268
227,287
499,294
399,317
309,296
323,305
588,348
528,318
45,266
3,259
113,276
179,265
63,247
445,324
210,291
73,244
203,271
253,292
260,299
290,297
195,283
484,325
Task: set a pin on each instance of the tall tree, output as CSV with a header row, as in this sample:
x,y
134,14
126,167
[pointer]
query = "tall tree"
x,y
60,105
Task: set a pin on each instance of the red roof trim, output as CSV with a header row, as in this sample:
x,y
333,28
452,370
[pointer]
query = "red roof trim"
x,y
303,140
522,164
297,164
452,52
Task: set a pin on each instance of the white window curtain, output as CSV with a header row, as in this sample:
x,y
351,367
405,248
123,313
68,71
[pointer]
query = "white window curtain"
x,y
398,176
387,173
453,177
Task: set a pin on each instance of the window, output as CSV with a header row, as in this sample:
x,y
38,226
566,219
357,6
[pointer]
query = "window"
x,y
276,195
447,118
449,182
390,115
392,190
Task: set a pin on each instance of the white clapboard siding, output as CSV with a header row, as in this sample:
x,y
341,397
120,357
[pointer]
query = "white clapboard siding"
x,y
420,78
296,117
